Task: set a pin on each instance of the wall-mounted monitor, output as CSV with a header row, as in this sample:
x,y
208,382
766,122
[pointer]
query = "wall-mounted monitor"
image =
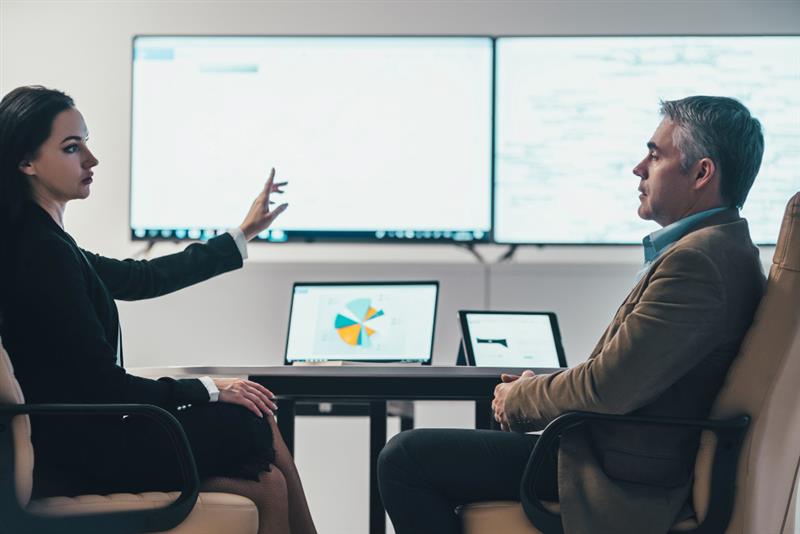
x,y
380,138
573,115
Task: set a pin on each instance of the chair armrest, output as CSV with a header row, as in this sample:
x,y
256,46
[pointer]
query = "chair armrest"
x,y
20,521
730,436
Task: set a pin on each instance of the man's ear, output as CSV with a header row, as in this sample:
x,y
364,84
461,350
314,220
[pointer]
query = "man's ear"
x,y
705,173
26,167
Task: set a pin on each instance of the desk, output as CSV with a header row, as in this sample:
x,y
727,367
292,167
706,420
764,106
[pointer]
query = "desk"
x,y
371,384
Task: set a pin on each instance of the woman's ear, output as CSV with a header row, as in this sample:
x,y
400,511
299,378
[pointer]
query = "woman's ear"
x,y
26,167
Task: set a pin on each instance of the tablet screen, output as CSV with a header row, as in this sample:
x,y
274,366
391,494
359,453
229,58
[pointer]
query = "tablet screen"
x,y
512,339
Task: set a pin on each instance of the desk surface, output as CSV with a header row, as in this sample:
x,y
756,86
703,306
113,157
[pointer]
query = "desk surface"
x,y
376,382
331,371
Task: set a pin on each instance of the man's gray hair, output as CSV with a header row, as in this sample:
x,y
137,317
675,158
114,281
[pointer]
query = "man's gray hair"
x,y
723,130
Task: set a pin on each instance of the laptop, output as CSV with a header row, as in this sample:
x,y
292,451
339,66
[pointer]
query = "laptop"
x,y
511,339
362,322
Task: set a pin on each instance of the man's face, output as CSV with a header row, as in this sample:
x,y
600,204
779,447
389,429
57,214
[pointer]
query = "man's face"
x,y
667,193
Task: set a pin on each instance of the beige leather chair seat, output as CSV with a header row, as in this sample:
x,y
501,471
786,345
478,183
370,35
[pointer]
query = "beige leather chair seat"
x,y
496,516
509,517
213,513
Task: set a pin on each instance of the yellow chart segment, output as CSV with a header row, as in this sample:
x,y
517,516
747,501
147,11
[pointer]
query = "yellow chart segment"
x,y
351,325
349,334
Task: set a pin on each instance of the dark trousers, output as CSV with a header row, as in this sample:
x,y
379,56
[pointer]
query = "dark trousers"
x,y
425,474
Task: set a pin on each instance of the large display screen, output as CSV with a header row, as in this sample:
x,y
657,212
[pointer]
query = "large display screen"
x,y
380,138
573,115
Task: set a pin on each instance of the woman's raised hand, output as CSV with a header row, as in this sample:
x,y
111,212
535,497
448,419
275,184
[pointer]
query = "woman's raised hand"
x,y
260,215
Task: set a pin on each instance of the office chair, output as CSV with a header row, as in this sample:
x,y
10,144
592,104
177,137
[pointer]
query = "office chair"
x,y
745,477
187,512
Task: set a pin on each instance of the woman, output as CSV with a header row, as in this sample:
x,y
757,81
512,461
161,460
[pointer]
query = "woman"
x,y
59,323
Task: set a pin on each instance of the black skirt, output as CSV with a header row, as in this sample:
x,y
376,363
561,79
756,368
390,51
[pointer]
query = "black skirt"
x,y
226,440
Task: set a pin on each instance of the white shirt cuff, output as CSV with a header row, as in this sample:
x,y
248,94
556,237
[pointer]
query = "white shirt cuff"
x,y
239,239
213,392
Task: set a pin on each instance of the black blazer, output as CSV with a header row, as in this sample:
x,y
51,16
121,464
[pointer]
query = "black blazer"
x,y
60,326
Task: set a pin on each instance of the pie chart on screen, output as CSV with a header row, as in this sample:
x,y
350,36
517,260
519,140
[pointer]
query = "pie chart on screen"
x,y
353,324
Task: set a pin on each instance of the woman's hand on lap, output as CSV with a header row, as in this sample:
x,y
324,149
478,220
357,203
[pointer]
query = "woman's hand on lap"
x,y
251,395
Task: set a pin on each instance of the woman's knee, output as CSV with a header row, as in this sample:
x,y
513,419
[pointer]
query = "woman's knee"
x,y
272,484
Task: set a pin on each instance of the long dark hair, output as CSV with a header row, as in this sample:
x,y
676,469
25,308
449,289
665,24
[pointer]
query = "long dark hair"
x,y
26,120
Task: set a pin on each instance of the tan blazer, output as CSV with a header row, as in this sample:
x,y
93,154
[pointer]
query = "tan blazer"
x,y
665,353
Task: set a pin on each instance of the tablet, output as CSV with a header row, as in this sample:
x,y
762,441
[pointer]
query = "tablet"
x,y
511,339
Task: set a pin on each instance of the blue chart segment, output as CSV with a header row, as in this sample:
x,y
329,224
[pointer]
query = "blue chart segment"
x,y
353,329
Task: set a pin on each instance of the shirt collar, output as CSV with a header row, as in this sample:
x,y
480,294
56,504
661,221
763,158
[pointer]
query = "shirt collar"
x,y
660,240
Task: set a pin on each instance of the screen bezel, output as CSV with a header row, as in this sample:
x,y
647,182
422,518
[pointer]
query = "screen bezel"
x,y
333,236
466,339
434,283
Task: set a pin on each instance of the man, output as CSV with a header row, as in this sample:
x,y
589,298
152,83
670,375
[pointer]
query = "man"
x,y
665,353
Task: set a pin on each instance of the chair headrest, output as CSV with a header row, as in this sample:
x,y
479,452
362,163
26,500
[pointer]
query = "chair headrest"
x,y
789,237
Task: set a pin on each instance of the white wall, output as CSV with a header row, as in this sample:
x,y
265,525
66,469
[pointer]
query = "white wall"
x,y
84,47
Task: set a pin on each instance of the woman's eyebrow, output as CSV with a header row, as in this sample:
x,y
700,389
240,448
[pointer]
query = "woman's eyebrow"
x,y
71,137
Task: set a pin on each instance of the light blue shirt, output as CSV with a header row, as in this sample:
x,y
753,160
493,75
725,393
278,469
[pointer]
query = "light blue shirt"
x,y
659,241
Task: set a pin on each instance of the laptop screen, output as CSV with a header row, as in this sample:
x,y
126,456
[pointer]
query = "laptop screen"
x,y
512,339
368,322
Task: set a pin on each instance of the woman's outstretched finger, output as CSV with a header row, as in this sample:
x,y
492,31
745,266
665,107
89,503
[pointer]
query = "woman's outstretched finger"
x,y
270,181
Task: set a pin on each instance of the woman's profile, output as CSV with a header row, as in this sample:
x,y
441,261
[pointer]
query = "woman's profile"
x,y
60,326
